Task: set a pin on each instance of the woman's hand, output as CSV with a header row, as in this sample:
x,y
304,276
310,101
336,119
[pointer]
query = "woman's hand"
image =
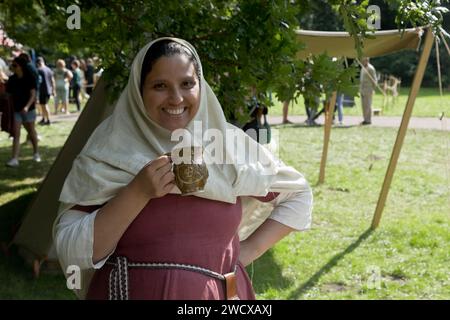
x,y
156,179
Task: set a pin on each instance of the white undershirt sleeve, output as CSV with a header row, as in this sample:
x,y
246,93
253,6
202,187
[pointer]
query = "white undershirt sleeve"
x,y
74,239
294,209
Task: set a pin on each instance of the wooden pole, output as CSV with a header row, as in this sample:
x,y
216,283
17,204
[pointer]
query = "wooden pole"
x,y
329,111
445,43
403,127
438,63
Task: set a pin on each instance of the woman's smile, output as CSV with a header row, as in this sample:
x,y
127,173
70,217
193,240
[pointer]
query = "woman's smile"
x,y
175,112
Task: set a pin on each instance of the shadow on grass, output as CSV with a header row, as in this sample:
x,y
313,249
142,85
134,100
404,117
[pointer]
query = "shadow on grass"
x,y
17,281
311,282
29,173
267,274
11,214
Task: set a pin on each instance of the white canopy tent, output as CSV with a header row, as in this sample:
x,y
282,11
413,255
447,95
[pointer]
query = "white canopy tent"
x,y
342,44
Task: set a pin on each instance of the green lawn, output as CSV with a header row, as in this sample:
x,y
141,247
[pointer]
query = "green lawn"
x,y
407,257
17,186
410,251
428,104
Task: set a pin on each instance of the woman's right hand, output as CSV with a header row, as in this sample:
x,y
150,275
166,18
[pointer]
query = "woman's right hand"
x,y
156,179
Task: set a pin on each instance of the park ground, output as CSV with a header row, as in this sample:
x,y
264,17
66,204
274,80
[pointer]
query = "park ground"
x,y
429,103
407,257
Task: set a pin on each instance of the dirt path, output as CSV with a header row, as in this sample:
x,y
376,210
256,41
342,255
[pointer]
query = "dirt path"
x,y
377,121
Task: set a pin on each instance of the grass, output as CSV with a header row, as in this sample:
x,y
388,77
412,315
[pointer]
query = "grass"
x,y
17,187
407,257
428,104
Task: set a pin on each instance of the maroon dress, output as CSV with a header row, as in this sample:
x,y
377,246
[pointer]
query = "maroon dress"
x,y
183,230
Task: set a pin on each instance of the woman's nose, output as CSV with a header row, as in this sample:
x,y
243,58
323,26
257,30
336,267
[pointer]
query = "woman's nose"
x,y
176,96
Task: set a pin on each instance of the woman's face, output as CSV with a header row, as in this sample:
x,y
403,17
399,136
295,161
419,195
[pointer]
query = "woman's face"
x,y
171,92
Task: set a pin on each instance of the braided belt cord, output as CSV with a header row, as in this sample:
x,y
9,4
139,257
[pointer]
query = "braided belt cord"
x,y
118,280
118,277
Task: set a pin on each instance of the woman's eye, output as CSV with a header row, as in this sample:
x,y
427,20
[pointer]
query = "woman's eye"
x,y
188,84
159,86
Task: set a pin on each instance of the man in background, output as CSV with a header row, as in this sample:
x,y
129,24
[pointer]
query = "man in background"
x,y
367,85
46,88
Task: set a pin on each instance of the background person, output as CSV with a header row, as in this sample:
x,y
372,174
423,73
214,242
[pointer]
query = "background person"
x,y
77,83
367,86
22,88
62,83
46,89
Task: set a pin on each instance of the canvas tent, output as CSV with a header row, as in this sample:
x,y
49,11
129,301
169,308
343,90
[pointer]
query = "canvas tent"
x,y
34,238
340,44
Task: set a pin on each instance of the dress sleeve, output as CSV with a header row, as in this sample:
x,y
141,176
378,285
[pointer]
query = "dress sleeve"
x,y
74,239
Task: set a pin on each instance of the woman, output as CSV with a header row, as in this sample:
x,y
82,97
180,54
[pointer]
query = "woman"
x,y
121,218
22,88
77,82
63,76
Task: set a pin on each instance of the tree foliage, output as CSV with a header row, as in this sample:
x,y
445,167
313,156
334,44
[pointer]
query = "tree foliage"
x,y
241,43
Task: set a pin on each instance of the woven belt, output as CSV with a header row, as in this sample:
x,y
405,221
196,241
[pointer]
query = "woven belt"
x,y
118,277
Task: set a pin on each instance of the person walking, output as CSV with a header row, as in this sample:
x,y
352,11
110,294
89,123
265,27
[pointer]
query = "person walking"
x,y
46,89
22,88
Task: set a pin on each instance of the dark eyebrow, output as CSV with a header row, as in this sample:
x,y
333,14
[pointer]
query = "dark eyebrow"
x,y
157,80
192,78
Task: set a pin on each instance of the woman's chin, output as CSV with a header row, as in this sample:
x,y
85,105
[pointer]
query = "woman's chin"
x,y
174,125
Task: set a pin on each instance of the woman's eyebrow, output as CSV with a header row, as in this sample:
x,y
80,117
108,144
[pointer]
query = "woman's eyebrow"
x,y
158,80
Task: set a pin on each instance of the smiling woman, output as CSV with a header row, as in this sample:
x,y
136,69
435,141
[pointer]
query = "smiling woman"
x,y
170,85
122,219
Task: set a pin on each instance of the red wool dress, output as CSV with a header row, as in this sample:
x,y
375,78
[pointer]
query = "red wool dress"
x,y
184,230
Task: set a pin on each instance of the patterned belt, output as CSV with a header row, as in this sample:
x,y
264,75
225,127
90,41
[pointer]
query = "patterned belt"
x,y
118,277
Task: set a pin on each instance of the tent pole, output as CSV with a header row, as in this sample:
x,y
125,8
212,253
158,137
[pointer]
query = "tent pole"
x,y
403,127
326,138
438,63
445,43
